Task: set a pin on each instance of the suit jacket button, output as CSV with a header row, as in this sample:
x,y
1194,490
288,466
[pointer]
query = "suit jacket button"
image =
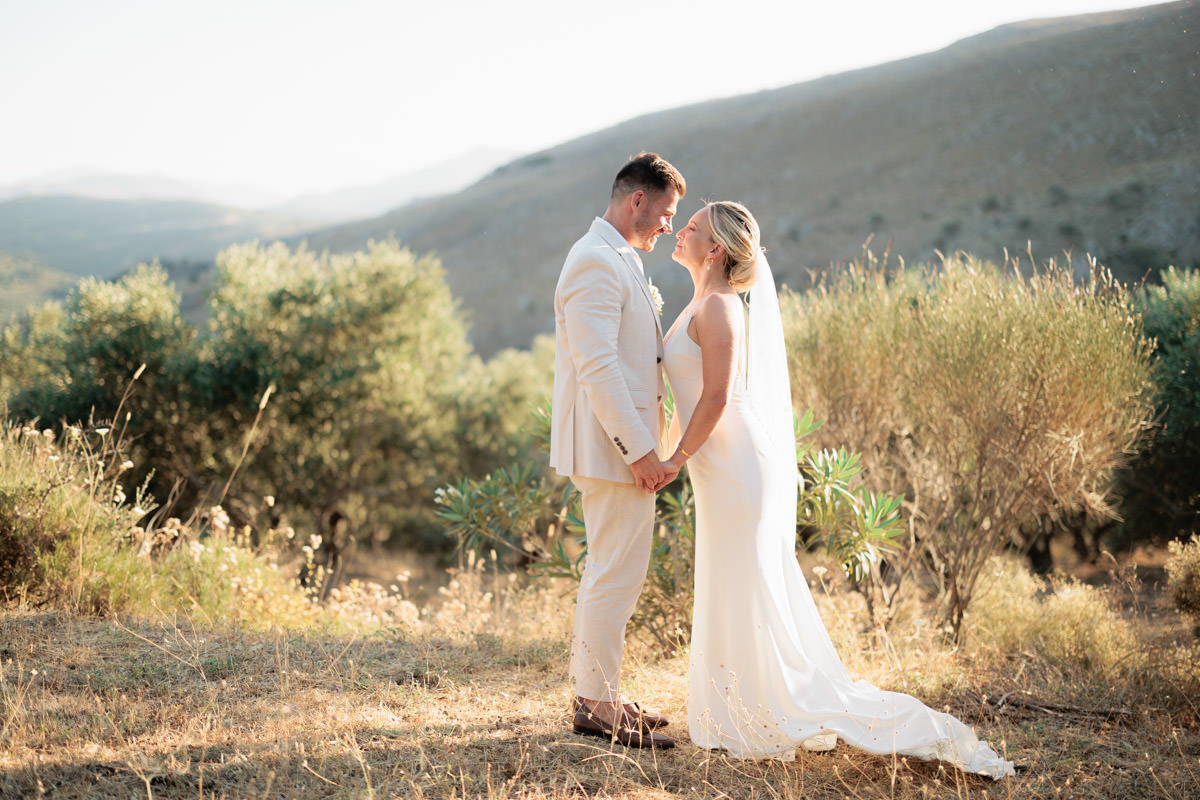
x,y
660,359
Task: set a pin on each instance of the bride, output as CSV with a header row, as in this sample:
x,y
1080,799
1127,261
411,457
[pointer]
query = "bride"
x,y
764,677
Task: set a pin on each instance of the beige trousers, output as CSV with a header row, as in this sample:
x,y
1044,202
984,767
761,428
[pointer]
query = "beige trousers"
x,y
620,520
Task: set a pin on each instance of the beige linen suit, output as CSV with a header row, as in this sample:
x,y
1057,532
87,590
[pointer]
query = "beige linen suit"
x,y
607,413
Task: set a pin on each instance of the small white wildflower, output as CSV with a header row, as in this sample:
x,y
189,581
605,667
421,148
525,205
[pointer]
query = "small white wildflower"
x,y
220,520
102,431
118,494
196,550
126,464
819,571
269,500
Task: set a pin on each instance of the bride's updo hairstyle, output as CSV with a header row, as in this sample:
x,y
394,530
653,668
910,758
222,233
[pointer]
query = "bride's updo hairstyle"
x,y
734,228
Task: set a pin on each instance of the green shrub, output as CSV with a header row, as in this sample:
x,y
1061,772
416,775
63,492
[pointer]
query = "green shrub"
x,y
987,399
365,352
69,538
540,519
79,361
1161,493
1065,626
1183,577
341,386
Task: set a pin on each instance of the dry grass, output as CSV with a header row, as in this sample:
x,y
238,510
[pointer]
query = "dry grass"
x,y
469,700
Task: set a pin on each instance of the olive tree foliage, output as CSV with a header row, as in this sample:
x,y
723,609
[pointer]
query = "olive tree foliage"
x,y
1162,492
364,353
990,400
74,362
330,393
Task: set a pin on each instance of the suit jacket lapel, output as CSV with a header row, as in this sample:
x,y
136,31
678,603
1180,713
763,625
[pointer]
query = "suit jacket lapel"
x,y
614,240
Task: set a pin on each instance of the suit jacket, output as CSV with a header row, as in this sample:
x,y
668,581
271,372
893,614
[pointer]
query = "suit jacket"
x,y
608,385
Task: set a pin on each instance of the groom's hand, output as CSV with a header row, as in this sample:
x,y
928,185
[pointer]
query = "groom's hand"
x,y
647,472
669,473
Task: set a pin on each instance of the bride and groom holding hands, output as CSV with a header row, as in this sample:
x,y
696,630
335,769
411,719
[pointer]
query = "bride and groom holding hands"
x,y
764,678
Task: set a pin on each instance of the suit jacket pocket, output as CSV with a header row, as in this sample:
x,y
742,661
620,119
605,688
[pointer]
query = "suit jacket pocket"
x,y
642,398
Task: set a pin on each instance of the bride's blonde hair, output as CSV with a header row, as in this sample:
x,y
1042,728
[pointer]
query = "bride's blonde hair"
x,y
734,228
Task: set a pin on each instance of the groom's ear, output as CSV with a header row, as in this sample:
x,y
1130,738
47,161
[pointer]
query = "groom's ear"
x,y
636,197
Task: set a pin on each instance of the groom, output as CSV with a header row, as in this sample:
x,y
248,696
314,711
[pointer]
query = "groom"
x,y
607,423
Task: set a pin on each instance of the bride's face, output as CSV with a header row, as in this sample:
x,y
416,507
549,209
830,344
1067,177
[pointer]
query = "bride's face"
x,y
695,241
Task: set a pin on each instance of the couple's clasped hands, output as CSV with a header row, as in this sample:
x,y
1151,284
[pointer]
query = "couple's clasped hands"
x,y
651,473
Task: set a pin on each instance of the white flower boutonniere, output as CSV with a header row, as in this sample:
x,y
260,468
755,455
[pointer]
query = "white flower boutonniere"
x,y
656,296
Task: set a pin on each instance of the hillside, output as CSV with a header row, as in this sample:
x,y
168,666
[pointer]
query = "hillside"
x,y
357,202
86,236
69,226
1080,133
24,282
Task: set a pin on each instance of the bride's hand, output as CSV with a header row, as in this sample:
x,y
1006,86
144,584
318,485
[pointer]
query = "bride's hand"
x,y
669,473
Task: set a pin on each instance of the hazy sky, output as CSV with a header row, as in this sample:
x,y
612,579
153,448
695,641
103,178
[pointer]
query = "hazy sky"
x,y
292,95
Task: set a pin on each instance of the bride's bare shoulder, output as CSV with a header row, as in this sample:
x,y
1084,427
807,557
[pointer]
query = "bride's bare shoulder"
x,y
720,311
720,305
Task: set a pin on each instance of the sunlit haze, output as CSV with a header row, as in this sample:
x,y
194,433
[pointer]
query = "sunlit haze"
x,y
287,97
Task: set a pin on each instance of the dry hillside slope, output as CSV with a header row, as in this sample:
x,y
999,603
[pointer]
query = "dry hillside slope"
x,y
1080,133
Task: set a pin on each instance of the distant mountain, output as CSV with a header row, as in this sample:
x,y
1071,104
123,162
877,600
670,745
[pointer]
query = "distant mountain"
x,y
338,205
124,186
370,200
105,224
1079,133
83,236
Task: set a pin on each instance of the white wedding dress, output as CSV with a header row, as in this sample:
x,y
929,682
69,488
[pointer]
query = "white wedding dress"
x,y
764,677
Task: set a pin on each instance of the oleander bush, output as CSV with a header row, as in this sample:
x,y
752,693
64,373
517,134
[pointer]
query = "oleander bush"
x,y
992,401
538,518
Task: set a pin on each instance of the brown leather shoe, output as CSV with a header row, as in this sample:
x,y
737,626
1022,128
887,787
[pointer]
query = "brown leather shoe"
x,y
650,719
589,724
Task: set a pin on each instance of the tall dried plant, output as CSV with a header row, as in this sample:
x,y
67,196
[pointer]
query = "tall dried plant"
x,y
988,398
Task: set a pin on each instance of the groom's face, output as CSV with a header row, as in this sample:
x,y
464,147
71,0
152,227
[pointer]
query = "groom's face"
x,y
652,213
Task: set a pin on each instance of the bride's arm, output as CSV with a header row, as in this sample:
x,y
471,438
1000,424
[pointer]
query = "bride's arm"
x,y
671,437
714,326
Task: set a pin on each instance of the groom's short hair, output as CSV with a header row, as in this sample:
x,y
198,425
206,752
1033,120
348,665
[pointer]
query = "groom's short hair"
x,y
649,172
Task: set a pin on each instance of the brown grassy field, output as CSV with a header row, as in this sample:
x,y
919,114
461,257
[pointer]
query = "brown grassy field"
x,y
1095,689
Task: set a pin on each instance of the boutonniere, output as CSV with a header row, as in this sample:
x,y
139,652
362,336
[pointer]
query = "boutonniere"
x,y
656,296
